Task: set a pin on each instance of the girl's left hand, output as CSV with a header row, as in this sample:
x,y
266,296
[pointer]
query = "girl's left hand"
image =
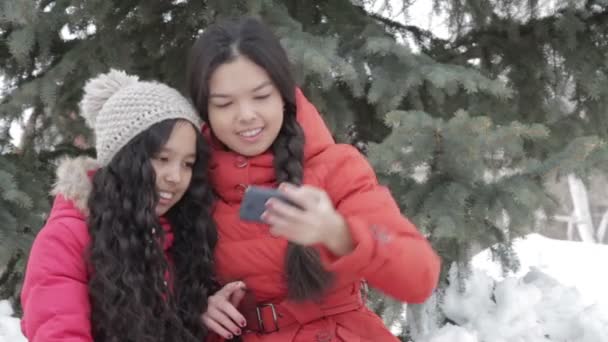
x,y
316,221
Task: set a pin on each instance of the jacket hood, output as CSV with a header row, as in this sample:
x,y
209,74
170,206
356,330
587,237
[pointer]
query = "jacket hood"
x,y
317,135
73,187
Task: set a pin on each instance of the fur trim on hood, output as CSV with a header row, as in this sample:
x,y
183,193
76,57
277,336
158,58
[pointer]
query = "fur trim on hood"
x,y
73,181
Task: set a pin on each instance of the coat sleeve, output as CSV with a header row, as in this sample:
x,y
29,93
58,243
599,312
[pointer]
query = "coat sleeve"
x,y
55,292
389,251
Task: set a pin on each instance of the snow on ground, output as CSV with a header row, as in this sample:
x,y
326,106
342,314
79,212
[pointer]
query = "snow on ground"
x,y
9,326
574,264
558,295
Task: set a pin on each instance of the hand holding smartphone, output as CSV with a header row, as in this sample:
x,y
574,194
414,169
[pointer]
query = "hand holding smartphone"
x,y
254,202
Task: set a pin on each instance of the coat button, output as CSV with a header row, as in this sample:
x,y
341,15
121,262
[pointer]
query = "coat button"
x,y
241,188
240,162
324,336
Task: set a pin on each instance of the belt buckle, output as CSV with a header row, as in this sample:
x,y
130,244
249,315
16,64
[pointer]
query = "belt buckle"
x,y
275,318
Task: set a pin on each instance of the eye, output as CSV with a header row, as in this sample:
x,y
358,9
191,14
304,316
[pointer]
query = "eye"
x,y
163,159
222,105
189,164
262,97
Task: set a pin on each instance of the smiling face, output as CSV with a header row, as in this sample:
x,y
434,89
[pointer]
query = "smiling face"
x,y
173,166
245,107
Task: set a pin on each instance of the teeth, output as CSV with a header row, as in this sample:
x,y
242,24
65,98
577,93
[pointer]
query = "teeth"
x,y
165,195
251,132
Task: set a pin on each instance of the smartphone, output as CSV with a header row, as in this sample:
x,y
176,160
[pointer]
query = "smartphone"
x,y
254,202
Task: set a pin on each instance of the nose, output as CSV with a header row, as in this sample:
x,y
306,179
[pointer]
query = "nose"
x,y
173,174
246,112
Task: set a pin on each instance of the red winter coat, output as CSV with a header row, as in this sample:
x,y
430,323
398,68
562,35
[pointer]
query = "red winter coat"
x,y
55,296
390,254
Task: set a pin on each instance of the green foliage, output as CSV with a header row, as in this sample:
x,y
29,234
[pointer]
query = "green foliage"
x,y
465,181
23,205
24,202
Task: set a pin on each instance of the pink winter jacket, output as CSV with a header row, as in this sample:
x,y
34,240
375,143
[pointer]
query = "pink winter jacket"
x,y
55,296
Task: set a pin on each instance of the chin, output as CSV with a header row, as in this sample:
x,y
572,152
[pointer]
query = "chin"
x,y
252,151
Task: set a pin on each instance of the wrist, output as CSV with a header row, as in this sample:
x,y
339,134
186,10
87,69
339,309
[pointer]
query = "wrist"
x,y
338,241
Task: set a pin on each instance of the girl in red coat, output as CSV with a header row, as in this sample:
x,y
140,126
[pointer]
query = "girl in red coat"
x,y
126,253
302,269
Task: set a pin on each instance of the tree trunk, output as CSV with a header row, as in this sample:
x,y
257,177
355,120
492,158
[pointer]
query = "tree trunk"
x,y
582,212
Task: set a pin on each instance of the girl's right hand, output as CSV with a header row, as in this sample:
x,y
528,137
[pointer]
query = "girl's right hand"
x,y
221,316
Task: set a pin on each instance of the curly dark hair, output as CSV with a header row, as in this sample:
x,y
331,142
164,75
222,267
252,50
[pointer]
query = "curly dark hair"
x,y
131,300
223,42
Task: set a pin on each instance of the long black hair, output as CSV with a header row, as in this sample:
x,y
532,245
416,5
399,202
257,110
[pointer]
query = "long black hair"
x,y
248,37
130,296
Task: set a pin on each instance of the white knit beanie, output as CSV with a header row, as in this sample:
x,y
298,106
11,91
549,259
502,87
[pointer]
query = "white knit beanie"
x,y
118,107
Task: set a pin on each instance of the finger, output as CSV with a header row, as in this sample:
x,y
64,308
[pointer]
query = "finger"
x,y
324,202
275,221
277,232
315,196
284,210
287,232
217,328
297,195
236,297
218,309
229,288
233,313
230,318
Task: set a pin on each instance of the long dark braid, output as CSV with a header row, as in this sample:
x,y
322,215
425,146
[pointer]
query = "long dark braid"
x,y
306,276
130,298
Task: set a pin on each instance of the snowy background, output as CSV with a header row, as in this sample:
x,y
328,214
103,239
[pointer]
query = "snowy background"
x,y
9,326
559,294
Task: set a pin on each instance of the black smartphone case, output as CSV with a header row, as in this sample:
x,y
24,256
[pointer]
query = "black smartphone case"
x,y
254,202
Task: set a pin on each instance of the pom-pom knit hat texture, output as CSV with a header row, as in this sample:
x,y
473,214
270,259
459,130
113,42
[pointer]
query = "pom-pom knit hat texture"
x,y
118,107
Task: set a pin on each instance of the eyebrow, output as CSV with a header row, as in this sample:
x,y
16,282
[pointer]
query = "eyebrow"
x,y
168,150
261,86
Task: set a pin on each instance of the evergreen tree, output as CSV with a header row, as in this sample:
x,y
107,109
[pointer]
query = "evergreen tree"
x,y
466,130
23,204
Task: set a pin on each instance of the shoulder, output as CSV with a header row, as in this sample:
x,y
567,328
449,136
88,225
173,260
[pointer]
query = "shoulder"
x,y
58,255
66,231
62,238
66,227
341,160
342,169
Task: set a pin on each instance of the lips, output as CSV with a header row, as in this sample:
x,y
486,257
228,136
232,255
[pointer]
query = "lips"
x,y
250,133
164,197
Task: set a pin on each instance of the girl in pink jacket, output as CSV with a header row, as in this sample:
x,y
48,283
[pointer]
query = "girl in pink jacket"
x,y
126,253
